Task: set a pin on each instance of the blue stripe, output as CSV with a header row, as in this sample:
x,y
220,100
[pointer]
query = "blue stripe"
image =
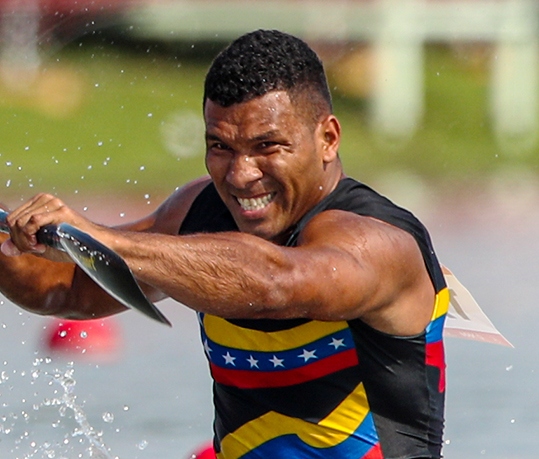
x,y
292,447
435,330
265,361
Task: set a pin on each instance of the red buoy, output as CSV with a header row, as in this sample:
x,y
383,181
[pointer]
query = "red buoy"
x,y
96,338
205,451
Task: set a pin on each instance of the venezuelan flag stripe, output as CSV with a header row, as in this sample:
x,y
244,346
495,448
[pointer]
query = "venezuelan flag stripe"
x,y
435,357
435,330
256,360
346,433
222,332
248,379
435,354
441,305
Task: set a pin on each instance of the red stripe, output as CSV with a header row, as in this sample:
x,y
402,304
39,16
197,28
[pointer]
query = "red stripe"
x,y
436,358
247,379
374,453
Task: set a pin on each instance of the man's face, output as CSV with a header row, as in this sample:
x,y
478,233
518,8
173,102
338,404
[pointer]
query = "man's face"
x,y
268,162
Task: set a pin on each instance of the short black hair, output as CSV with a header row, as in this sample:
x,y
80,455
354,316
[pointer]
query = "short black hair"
x,y
263,61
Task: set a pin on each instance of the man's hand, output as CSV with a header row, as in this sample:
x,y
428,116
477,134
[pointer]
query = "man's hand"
x,y
25,222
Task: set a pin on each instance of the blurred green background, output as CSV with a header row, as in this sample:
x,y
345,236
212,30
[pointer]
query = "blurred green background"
x,y
102,118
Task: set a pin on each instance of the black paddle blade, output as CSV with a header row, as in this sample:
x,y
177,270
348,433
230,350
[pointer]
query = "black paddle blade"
x,y
102,264
107,269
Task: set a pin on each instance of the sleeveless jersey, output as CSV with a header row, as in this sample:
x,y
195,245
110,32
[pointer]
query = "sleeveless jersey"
x,y
306,389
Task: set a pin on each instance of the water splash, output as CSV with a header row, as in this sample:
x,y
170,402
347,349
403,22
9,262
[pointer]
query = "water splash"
x,y
78,438
68,402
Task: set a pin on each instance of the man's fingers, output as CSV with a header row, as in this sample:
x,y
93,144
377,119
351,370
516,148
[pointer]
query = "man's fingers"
x,y
40,207
26,220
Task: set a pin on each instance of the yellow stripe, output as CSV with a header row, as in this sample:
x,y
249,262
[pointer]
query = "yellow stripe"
x,y
441,305
330,431
224,333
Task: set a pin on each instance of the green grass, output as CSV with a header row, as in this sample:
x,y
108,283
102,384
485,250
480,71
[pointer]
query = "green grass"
x,y
113,140
455,141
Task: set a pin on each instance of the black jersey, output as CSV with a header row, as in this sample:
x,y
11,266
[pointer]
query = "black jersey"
x,y
310,389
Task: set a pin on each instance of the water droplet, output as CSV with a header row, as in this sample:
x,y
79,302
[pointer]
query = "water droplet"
x,y
143,444
108,417
83,334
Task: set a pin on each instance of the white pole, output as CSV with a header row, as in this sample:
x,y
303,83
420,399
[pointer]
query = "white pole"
x,y
515,78
398,98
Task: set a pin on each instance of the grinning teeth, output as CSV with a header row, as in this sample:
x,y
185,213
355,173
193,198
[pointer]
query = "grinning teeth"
x,y
255,203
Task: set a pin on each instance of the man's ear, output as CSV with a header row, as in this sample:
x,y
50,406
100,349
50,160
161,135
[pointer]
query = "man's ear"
x,y
330,133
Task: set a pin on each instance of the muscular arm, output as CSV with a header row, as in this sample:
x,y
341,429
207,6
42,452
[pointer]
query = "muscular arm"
x,y
344,267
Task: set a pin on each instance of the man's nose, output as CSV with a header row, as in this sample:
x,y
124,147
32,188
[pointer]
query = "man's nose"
x,y
242,171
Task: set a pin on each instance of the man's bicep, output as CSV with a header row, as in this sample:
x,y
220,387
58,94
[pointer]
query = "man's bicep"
x,y
359,264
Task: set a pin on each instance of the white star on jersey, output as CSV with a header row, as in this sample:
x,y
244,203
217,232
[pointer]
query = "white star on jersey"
x,y
252,361
337,343
229,360
307,355
277,362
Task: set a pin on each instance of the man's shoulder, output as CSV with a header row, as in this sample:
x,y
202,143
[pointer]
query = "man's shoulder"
x,y
172,212
189,192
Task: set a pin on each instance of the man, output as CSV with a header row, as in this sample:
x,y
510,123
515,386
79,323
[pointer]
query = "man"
x,y
321,303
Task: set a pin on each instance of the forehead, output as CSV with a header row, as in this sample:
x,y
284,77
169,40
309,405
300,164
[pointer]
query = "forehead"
x,y
271,111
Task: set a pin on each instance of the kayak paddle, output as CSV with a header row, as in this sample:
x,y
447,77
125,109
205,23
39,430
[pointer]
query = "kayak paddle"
x,y
100,263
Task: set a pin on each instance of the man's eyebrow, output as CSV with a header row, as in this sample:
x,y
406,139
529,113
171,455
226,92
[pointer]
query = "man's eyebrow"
x,y
265,136
259,138
212,137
